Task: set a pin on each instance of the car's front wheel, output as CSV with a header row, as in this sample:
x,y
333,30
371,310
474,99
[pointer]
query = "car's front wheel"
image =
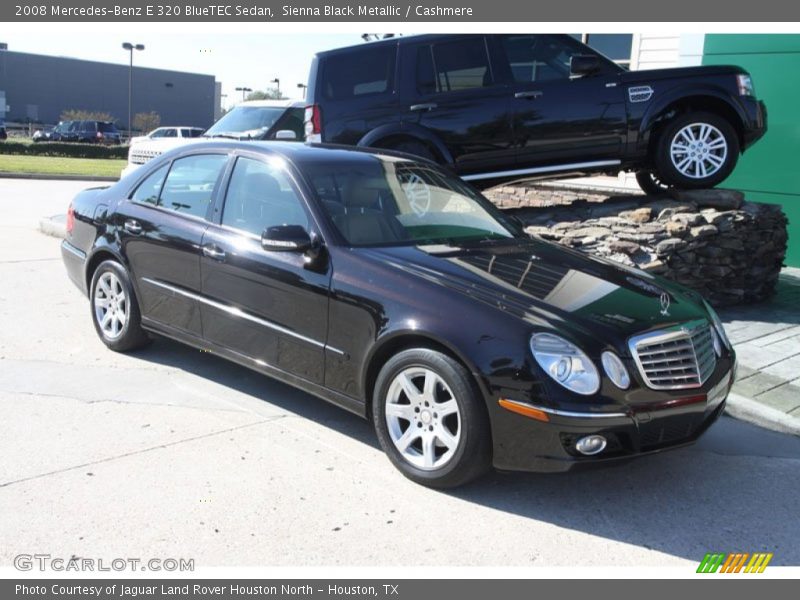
x,y
430,419
115,311
696,150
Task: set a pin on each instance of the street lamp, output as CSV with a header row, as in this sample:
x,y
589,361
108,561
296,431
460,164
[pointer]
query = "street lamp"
x,y
277,83
304,87
130,48
244,90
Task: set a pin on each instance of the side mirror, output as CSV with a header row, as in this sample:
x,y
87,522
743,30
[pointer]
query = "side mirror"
x,y
286,238
581,65
285,134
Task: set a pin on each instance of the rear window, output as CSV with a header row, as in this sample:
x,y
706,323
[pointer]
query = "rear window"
x,y
107,127
361,73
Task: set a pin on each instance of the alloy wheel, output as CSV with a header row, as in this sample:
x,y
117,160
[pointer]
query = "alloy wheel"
x,y
111,306
423,418
698,150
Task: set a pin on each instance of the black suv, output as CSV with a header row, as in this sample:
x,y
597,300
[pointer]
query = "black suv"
x,y
498,108
93,132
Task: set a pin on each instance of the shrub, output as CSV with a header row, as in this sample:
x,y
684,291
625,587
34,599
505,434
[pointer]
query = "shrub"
x,y
63,149
73,114
146,122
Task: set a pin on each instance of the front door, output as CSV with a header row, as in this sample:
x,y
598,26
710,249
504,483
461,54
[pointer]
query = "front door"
x,y
559,119
160,229
266,306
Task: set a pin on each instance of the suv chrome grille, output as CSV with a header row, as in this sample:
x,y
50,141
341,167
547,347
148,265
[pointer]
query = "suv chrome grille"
x,y
141,157
675,358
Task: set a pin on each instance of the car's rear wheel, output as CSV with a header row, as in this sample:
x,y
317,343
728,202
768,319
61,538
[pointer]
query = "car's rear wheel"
x,y
696,150
115,311
430,419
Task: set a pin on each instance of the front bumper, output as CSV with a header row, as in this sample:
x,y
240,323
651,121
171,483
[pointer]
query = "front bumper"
x,y
526,444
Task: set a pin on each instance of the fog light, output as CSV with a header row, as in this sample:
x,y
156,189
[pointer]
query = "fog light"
x,y
591,444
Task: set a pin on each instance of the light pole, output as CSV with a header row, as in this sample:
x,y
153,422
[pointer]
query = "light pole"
x,y
277,83
244,90
130,48
304,87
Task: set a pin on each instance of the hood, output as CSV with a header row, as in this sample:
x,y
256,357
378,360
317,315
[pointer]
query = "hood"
x,y
549,285
680,73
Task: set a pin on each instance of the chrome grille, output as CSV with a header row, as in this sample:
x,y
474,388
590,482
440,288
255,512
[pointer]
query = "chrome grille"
x,y
140,157
675,358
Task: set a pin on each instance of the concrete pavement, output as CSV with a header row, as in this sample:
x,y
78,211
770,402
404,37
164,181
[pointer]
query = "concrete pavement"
x,y
169,452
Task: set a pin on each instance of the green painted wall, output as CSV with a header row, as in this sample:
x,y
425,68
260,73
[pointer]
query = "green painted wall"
x,y
770,170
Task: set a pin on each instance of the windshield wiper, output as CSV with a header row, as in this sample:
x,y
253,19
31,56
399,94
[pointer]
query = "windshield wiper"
x,y
228,136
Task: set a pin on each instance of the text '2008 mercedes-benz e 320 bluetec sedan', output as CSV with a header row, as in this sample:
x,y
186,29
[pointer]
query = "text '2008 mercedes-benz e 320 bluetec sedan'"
x,y
385,285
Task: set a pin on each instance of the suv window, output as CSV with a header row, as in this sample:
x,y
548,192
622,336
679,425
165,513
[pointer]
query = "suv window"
x,y
371,73
259,196
540,57
453,66
106,127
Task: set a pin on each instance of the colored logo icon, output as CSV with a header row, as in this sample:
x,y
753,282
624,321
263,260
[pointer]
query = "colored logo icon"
x,y
735,562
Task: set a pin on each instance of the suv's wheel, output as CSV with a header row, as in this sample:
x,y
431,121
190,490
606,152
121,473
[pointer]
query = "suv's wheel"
x,y
415,148
430,419
696,150
651,184
115,311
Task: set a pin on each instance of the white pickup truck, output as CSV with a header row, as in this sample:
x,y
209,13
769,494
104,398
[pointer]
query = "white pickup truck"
x,y
253,120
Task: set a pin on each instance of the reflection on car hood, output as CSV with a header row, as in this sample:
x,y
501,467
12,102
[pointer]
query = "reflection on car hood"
x,y
540,282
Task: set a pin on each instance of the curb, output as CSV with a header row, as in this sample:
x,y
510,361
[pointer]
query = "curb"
x,y
55,226
745,409
48,176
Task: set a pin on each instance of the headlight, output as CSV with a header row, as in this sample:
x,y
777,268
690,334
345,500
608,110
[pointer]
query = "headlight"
x,y
718,326
745,84
565,363
615,370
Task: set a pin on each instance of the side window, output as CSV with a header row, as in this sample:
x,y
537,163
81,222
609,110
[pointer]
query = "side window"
x,y
361,73
158,133
190,183
150,188
539,57
259,196
461,65
171,133
426,77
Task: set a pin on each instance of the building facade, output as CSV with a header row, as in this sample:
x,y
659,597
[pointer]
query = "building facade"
x,y
39,88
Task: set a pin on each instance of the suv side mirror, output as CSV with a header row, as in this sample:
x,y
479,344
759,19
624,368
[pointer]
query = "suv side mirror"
x,y
285,134
581,65
286,238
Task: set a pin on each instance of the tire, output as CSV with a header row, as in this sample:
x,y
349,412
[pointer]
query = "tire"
x,y
112,292
650,183
415,148
445,432
714,138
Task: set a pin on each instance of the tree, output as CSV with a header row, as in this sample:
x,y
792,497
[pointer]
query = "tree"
x,y
146,122
79,114
268,94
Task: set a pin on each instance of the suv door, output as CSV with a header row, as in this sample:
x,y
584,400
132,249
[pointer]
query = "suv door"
x,y
451,89
557,118
161,227
263,305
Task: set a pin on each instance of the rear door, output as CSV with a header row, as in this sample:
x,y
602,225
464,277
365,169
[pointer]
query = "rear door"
x,y
264,305
558,119
452,90
160,228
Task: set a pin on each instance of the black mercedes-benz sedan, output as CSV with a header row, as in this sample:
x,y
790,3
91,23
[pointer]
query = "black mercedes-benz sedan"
x,y
388,286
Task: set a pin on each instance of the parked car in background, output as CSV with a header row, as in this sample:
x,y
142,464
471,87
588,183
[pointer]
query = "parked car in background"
x,y
42,134
3,133
388,286
63,132
169,132
253,120
498,108
95,132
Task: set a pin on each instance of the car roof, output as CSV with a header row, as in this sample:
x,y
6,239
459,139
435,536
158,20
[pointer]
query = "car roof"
x,y
297,154
287,103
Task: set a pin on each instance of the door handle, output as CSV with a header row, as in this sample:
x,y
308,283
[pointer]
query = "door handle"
x,y
529,95
213,251
424,106
133,226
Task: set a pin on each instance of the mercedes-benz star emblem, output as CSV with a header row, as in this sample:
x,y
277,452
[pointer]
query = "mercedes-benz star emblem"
x,y
665,302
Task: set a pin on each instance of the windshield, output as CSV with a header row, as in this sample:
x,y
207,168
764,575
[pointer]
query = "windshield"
x,y
385,201
246,122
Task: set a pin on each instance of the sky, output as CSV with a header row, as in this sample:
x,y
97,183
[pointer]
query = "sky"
x,y
237,60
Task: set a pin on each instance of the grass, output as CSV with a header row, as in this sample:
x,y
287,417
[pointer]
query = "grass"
x,y
49,165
